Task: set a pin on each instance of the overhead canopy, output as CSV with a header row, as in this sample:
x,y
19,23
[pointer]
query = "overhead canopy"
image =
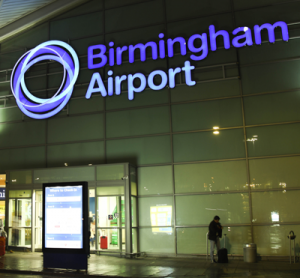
x,y
18,15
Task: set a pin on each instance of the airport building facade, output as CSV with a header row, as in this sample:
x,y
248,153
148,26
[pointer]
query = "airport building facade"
x,y
190,105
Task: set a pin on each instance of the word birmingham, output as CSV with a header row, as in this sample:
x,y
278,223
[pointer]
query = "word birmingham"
x,y
98,58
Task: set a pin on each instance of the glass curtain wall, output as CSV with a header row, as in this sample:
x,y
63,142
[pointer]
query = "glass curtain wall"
x,y
227,146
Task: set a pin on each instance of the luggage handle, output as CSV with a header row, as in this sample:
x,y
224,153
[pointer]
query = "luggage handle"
x,y
224,240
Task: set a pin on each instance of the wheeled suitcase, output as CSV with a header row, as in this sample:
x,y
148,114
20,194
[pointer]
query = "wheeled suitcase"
x,y
103,242
222,253
222,256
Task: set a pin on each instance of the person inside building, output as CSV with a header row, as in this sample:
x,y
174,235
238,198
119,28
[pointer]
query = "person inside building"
x,y
214,235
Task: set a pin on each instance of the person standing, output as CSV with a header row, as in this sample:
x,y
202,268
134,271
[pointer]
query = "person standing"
x,y
214,235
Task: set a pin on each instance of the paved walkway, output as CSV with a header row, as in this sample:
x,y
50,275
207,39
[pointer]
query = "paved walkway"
x,y
105,266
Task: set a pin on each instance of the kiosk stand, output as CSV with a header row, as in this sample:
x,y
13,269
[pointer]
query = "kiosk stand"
x,y
65,225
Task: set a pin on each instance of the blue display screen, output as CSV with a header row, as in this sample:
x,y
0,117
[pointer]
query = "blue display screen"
x,y
63,217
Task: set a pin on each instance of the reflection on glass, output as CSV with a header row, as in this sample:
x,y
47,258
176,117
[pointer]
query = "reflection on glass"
x,y
111,211
161,215
19,237
38,218
133,211
275,216
92,219
110,239
19,219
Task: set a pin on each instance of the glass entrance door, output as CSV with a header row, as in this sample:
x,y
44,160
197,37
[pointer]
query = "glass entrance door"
x,y
111,223
19,220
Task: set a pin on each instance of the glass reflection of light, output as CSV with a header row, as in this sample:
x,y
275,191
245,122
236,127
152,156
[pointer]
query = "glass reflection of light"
x,y
282,184
275,216
161,215
253,139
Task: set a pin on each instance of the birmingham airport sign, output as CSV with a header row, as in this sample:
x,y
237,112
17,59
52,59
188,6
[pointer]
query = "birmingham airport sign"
x,y
99,56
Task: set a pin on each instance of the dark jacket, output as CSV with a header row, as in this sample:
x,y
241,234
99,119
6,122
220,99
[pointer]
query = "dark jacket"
x,y
214,230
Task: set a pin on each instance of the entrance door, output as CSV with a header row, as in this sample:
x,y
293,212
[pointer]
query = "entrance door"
x,y
111,219
20,222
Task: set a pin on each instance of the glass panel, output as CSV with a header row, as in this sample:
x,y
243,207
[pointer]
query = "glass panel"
x,y
2,214
38,218
110,172
110,190
134,240
268,77
133,181
193,240
111,212
146,150
109,239
75,128
77,26
133,211
209,90
206,115
10,114
146,98
22,158
231,208
64,174
195,8
157,241
21,177
19,237
12,132
92,218
138,122
155,180
133,16
273,140
83,106
89,7
19,193
268,13
275,206
266,108
272,240
76,154
269,52
226,144
156,211
280,172
214,176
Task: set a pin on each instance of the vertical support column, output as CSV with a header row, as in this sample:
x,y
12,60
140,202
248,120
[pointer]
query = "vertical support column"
x,y
244,126
97,246
128,216
7,206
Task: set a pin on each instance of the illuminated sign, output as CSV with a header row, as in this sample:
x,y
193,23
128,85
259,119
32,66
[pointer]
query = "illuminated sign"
x,y
64,217
2,193
198,46
31,105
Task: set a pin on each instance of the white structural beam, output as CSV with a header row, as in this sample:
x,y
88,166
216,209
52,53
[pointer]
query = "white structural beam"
x,y
37,16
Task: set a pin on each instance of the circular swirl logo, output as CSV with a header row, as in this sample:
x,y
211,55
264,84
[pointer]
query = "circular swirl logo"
x,y
31,105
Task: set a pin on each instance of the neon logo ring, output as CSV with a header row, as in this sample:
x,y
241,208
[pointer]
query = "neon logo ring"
x,y
31,105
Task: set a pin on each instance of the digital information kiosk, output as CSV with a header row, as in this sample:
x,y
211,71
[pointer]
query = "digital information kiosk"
x,y
65,225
